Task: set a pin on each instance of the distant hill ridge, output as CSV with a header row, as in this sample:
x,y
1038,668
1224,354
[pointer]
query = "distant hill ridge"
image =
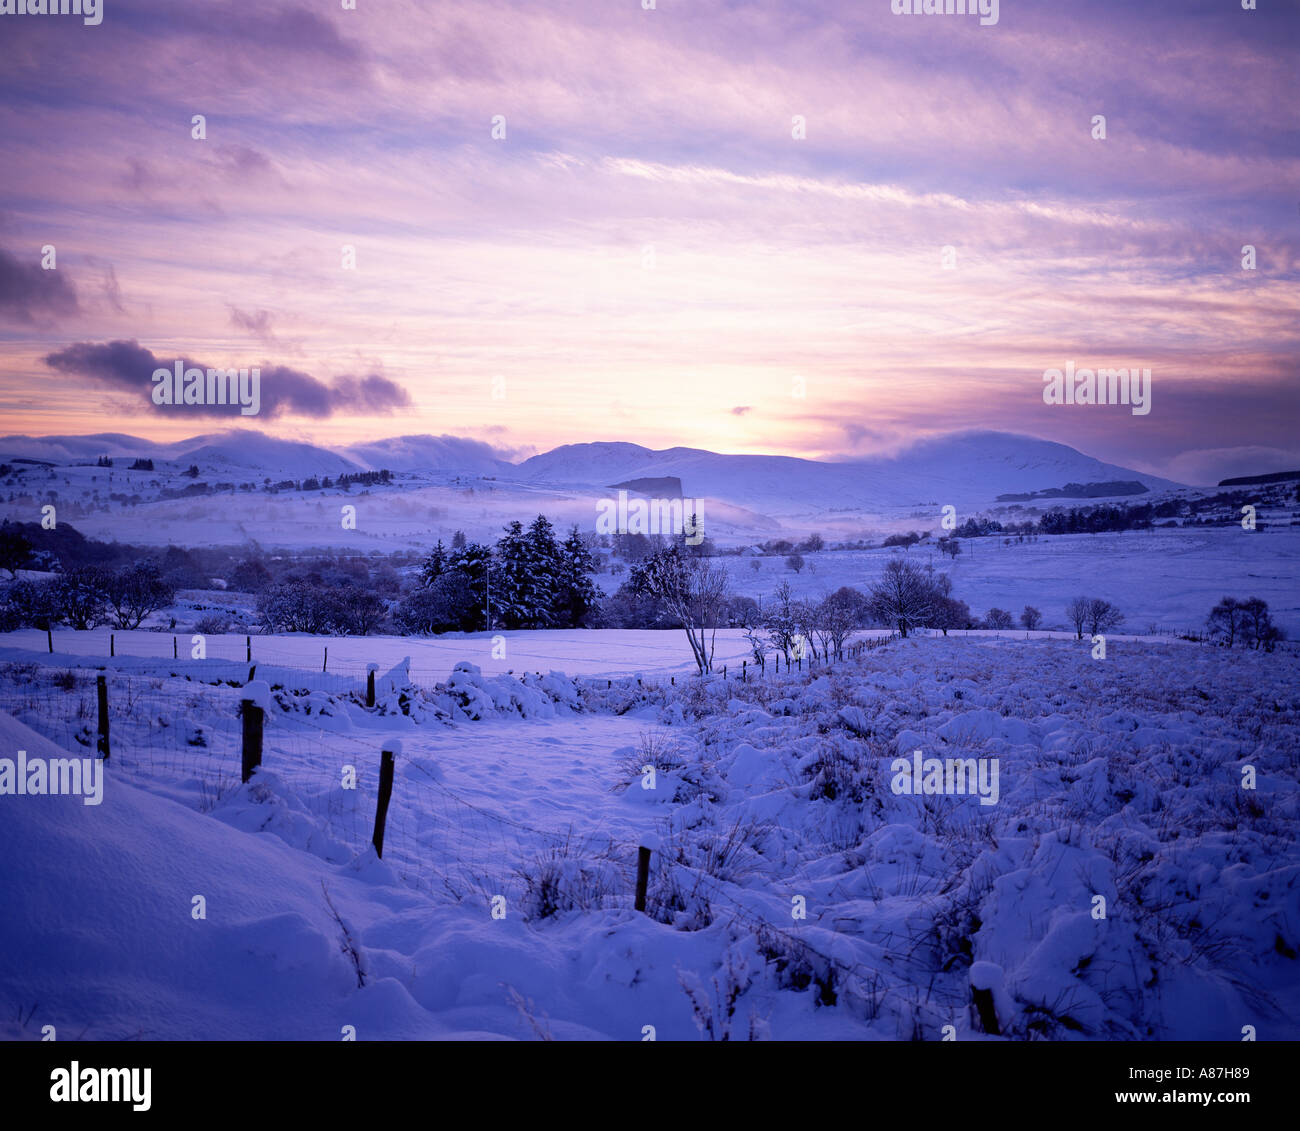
x,y
1112,489
1246,480
964,469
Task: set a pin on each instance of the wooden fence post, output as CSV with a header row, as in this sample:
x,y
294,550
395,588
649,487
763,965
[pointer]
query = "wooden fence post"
x,y
253,718
101,683
176,652
642,875
252,673
325,664
49,636
385,795
744,671
112,644
370,685
248,649
988,1014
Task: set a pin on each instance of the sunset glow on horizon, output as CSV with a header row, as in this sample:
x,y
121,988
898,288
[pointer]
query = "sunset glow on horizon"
x,y
718,226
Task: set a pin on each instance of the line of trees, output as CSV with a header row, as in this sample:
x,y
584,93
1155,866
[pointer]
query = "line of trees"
x,y
1248,623
815,629
86,597
300,605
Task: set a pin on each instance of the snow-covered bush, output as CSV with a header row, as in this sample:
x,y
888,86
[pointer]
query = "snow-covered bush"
x,y
570,876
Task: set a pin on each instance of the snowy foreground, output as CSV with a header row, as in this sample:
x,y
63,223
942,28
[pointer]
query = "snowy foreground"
x,y
1119,778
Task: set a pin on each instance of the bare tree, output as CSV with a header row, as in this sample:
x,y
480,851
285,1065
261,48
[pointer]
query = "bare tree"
x,y
781,620
135,592
1102,616
838,617
807,617
1076,612
1031,618
950,613
904,596
79,593
998,618
752,627
1248,621
1260,629
690,588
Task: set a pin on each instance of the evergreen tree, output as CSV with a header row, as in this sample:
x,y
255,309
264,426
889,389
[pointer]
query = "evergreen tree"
x,y
510,586
576,596
434,565
473,562
539,590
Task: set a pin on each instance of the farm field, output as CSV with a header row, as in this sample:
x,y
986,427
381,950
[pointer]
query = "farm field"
x,y
1119,778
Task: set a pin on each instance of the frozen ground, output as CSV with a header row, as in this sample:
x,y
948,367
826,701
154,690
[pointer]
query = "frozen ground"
x,y
1120,778
600,652
606,653
1169,579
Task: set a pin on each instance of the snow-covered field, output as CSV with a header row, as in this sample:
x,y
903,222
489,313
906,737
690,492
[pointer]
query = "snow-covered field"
x,y
598,652
1168,578
1119,778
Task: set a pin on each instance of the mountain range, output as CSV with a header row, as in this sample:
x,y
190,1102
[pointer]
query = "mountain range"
x,y
963,466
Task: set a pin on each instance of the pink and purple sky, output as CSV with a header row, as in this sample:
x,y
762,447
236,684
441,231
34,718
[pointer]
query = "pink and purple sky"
x,y
649,254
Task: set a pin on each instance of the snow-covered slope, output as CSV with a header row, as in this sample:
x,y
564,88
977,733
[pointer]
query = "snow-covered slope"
x,y
445,483
244,448
78,449
430,453
250,450
1004,462
972,467
1124,779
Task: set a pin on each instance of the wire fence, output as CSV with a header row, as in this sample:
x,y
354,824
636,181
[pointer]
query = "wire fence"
x,y
182,735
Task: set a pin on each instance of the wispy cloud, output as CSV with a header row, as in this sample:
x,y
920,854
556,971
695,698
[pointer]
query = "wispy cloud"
x,y
649,240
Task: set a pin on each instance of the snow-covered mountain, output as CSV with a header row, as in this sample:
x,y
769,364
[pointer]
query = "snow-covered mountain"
x,y
235,450
245,450
444,483
431,453
971,467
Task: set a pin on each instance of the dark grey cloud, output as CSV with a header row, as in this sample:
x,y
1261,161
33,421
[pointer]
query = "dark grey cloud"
x,y
128,366
29,293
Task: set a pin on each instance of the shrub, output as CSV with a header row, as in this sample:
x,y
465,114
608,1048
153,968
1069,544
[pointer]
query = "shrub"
x,y
568,877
